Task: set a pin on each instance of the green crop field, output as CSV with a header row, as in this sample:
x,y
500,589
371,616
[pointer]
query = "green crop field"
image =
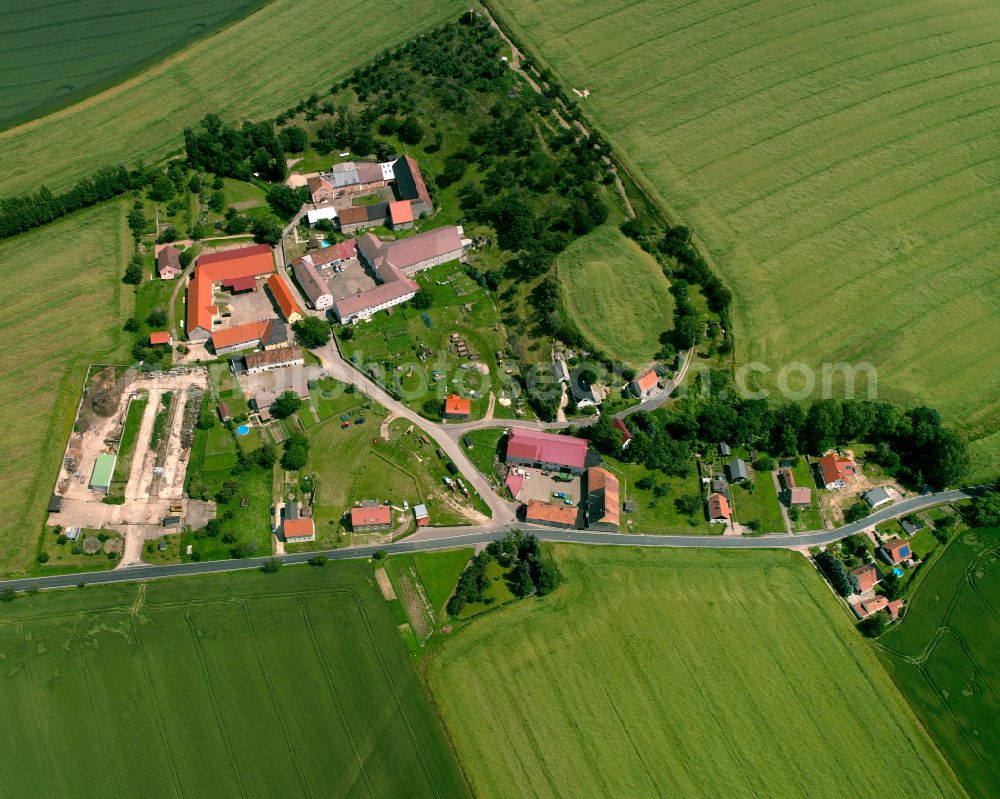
x,y
838,161
678,673
72,307
943,657
291,684
54,54
254,68
616,294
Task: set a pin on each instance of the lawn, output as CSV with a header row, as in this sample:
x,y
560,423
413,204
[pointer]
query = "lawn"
x,y
252,69
485,451
655,509
834,160
616,294
76,316
759,504
943,656
292,684
677,673
53,58
126,447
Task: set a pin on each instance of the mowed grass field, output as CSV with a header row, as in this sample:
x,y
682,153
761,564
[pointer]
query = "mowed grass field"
x,y
678,673
254,68
616,294
60,310
945,656
838,160
292,684
54,54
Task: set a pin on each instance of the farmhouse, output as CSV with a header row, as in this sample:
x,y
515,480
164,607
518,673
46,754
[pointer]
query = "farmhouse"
x,y
257,362
877,497
546,450
602,500
864,578
835,470
793,495
551,515
400,215
168,262
297,530
514,483
645,384
866,607
282,294
457,408
582,391
315,288
410,185
349,178
237,270
371,517
895,551
718,508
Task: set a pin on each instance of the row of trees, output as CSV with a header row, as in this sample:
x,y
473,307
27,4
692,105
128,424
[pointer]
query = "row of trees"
x,y
912,444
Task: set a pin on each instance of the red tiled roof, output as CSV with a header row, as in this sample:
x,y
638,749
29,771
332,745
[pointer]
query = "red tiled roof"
x,y
200,309
159,337
240,334
400,212
537,447
894,607
278,357
718,507
386,292
242,283
800,496
298,528
366,517
454,405
346,249
647,381
168,258
867,577
514,483
543,512
283,296
832,467
231,264
867,607
598,480
619,425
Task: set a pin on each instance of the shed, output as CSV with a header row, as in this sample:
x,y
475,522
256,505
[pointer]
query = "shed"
x,y
104,468
55,503
737,470
724,450
629,506
877,497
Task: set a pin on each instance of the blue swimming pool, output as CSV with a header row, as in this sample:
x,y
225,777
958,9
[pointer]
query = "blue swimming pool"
x,y
324,244
243,429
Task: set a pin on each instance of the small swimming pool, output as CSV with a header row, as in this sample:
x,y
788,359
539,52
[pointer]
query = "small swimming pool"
x,y
898,572
324,244
243,429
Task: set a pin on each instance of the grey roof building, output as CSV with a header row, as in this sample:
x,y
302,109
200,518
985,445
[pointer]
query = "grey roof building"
x,y
737,470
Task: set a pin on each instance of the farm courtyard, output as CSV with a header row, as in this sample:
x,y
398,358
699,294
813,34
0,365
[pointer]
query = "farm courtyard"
x,y
837,160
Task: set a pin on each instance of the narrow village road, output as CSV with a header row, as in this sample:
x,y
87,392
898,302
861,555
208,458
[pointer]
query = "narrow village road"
x,y
447,538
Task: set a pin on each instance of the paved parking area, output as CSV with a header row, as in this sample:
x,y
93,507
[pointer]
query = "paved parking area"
x,y
251,306
541,487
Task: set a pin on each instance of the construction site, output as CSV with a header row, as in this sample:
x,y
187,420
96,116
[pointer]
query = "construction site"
x,y
126,459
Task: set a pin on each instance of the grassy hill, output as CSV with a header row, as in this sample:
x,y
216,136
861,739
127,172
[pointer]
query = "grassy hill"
x,y
291,684
837,160
61,311
255,68
943,657
616,294
678,673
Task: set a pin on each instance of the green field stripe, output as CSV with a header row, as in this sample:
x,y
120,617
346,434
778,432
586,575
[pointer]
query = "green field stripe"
x,y
210,687
272,694
331,686
799,76
818,120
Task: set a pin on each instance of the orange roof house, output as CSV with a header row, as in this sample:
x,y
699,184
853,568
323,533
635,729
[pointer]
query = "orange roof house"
x,y
896,550
282,294
551,515
457,408
644,384
602,499
835,470
159,337
370,517
718,508
201,309
232,269
864,578
299,530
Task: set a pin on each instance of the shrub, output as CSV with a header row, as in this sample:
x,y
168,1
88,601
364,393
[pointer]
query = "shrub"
x,y
271,565
43,557
318,560
7,595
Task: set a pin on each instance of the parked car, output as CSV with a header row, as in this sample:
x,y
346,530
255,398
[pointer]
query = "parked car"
x,y
406,505
568,502
558,495
344,424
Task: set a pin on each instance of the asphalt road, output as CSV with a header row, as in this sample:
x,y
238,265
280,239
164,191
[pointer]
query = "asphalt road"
x,y
454,538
